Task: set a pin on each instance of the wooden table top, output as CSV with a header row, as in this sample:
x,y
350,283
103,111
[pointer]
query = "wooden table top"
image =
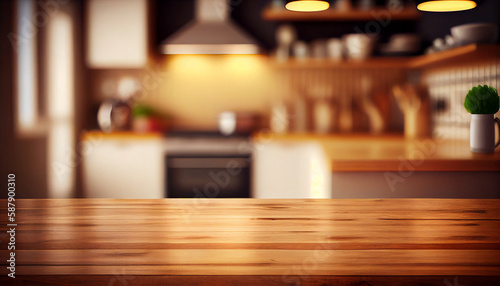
x,y
254,242
394,153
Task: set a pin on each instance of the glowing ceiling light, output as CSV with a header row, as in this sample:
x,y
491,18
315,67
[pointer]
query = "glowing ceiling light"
x,y
446,5
307,5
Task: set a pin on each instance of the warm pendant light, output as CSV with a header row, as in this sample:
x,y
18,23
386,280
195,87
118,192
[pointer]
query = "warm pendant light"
x,y
307,5
446,5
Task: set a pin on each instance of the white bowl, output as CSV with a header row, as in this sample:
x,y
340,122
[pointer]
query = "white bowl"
x,y
475,33
359,46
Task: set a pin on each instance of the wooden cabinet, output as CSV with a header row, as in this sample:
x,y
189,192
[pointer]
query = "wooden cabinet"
x,y
362,166
123,166
290,170
116,33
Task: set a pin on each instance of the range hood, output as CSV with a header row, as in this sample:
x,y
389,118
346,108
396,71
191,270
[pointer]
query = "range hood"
x,y
211,32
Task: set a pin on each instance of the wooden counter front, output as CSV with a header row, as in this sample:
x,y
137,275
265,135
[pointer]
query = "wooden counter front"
x,y
394,153
254,242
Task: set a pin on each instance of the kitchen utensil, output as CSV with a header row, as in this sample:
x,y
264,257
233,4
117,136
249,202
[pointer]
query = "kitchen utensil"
x,y
475,33
300,50
279,118
345,113
282,53
414,103
285,36
318,49
230,122
114,115
376,121
227,123
323,116
334,49
300,112
342,5
438,44
449,40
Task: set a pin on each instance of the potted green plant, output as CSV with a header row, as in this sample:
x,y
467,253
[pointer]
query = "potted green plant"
x,y
483,102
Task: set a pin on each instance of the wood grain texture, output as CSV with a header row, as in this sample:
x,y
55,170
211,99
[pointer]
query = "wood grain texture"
x,y
254,242
394,153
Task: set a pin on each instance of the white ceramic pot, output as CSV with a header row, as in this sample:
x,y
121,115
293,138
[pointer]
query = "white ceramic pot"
x,y
359,46
334,48
227,123
482,133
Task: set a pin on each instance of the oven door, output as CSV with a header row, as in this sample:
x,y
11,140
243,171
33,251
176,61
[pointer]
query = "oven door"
x,y
207,176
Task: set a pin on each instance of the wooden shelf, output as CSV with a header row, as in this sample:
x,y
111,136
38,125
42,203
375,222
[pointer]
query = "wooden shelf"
x,y
273,14
372,63
460,55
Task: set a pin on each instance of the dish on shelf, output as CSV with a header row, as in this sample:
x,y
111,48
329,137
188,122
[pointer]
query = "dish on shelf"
x,y
475,33
401,45
359,46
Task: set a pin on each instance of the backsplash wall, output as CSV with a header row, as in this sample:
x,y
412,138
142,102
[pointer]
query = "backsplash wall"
x,y
194,88
448,88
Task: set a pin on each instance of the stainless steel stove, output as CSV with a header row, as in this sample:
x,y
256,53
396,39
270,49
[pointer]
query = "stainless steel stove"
x,y
201,164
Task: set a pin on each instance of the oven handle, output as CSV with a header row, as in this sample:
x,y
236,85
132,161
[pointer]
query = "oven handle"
x,y
207,163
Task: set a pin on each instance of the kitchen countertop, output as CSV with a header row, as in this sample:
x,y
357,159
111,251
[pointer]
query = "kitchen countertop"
x,y
121,135
362,152
394,153
255,242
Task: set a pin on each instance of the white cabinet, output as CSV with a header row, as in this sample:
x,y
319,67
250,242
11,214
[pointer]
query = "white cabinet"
x,y
116,33
130,168
283,170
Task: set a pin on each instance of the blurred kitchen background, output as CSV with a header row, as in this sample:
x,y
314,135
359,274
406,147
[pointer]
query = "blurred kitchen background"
x,y
71,68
